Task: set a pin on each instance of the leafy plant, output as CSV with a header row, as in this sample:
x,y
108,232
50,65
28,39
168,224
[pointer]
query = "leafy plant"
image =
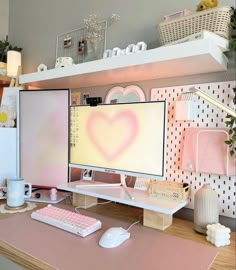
x,y
5,46
231,124
230,120
232,42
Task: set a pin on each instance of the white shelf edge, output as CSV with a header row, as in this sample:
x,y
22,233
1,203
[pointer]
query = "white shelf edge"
x,y
156,60
115,194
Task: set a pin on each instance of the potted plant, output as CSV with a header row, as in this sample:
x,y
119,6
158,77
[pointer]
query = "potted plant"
x,y
230,120
5,46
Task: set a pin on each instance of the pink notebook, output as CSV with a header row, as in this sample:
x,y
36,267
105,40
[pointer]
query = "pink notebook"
x,y
205,151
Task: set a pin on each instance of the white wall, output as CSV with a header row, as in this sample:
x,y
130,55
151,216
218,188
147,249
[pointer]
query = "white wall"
x,y
4,18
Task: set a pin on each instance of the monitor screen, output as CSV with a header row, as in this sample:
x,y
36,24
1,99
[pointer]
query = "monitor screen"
x,y
120,138
44,136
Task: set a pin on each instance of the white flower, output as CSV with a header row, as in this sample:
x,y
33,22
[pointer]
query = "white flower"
x,y
114,18
95,31
7,117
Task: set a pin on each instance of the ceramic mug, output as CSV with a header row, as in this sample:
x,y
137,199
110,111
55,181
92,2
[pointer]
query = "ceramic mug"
x,y
16,192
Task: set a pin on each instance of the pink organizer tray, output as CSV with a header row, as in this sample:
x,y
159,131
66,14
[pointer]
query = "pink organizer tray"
x,y
205,151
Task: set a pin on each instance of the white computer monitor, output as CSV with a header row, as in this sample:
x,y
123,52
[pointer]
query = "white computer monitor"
x,y
125,138
44,136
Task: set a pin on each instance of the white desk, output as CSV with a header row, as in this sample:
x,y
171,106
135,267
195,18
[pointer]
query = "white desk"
x,y
157,212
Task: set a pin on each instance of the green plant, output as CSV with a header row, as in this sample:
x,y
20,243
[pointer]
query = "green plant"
x,y
230,120
231,124
232,42
5,46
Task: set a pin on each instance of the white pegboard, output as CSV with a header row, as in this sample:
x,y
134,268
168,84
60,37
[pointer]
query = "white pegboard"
x,y
210,116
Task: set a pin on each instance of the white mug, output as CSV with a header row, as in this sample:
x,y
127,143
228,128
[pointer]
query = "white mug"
x,y
16,192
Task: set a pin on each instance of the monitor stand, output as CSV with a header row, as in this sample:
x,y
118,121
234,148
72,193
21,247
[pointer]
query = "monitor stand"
x,y
45,197
123,180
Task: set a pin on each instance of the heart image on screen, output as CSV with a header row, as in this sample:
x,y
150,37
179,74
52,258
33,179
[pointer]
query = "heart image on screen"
x,y
123,129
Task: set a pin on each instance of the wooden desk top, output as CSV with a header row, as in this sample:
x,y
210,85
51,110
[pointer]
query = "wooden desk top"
x,y
181,228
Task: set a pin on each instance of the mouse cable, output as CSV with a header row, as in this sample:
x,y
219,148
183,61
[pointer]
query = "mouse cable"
x,y
136,222
90,205
68,196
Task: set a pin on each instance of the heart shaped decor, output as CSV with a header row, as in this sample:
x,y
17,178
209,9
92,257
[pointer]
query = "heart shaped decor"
x,y
123,129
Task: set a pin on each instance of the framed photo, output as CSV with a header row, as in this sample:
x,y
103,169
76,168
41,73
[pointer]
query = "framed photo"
x,y
75,98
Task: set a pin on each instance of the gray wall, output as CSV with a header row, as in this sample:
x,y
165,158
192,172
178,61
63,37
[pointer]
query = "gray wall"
x,y
4,16
34,25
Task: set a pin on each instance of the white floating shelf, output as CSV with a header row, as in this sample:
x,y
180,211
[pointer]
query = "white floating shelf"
x,y
194,57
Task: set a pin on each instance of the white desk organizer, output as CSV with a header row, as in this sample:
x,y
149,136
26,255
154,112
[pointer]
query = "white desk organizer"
x,y
185,109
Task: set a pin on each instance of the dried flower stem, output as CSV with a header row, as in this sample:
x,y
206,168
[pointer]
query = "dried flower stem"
x,y
95,31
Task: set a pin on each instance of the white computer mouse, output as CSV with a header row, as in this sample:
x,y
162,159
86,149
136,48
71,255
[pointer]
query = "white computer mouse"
x,y
113,237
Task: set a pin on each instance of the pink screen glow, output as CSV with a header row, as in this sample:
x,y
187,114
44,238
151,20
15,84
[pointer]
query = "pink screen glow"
x,y
44,137
121,137
124,120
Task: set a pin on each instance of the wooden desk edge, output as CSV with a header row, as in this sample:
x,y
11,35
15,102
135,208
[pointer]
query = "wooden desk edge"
x,y
22,258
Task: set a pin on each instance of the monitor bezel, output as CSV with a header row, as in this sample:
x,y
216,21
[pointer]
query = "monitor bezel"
x,y
126,172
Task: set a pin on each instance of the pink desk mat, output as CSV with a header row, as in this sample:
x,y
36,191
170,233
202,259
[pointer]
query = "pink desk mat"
x,y
146,249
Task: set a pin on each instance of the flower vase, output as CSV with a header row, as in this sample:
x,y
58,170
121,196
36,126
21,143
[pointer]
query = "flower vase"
x,y
206,208
94,50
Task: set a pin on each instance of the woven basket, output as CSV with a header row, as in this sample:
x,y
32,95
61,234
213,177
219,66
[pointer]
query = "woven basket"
x,y
215,20
169,190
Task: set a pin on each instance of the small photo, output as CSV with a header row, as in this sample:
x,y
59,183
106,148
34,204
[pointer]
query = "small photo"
x,y
67,42
75,98
87,174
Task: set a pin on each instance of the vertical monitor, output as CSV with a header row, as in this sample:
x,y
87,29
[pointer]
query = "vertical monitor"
x,y
120,138
44,136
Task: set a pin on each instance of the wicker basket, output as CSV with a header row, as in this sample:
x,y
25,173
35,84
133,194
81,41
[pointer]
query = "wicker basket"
x,y
169,190
215,20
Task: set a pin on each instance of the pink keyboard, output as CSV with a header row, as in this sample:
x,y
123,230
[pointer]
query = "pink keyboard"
x,y
67,220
